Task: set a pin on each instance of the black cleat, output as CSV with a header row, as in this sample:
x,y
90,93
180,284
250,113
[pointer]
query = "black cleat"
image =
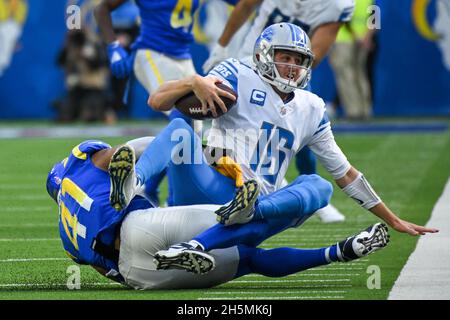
x,y
123,177
184,256
360,245
241,209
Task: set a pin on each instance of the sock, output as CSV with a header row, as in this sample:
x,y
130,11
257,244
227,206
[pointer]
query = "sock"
x,y
196,245
332,253
278,262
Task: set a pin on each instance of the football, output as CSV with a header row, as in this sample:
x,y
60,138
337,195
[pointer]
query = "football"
x,y
191,106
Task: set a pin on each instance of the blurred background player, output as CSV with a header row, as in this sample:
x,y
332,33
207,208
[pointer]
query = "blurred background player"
x,y
161,52
348,58
320,19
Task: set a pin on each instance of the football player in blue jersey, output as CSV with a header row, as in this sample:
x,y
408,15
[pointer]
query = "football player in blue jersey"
x,y
161,52
122,244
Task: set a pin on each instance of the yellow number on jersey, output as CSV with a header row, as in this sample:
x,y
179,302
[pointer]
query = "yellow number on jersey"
x,y
69,219
182,15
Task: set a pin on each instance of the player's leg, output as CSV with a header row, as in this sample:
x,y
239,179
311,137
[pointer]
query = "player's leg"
x,y
287,207
152,69
193,180
145,232
304,195
267,262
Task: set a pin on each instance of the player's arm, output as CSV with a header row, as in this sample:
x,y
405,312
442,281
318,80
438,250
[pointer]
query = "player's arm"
x,y
355,185
323,39
353,182
203,87
118,56
102,14
240,14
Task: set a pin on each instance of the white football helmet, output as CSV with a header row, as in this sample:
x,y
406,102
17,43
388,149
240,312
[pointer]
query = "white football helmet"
x,y
283,36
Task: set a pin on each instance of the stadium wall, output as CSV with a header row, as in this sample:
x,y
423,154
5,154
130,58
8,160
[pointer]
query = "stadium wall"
x,y
412,68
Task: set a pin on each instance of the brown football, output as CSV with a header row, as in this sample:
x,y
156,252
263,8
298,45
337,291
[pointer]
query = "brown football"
x,y
191,106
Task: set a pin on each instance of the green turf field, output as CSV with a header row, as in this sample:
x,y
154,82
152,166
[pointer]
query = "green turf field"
x,y
408,171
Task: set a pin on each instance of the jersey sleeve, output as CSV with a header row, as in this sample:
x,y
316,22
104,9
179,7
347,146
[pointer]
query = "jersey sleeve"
x,y
344,10
330,155
227,71
324,146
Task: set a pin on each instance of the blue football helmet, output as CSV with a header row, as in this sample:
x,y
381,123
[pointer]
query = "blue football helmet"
x,y
283,36
54,180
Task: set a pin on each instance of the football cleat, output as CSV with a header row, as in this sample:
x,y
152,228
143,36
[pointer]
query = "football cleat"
x,y
241,209
184,256
364,243
123,177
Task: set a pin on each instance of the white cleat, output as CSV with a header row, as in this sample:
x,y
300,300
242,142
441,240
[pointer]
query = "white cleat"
x,y
184,256
364,243
330,214
122,177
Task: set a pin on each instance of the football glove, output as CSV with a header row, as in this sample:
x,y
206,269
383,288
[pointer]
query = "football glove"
x,y
119,60
217,55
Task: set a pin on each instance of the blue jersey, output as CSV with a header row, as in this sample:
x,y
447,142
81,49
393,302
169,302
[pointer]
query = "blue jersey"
x,y
85,213
166,26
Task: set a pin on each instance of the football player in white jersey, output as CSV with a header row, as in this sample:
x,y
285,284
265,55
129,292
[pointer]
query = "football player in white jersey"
x,y
321,19
121,244
278,118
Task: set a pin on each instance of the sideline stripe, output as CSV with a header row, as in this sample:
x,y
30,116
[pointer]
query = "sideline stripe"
x,y
144,130
426,274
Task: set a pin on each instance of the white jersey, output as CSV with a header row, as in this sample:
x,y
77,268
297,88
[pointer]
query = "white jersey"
x,y
264,133
307,14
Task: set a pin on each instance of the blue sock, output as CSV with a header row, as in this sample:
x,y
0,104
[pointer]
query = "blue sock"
x,y
278,262
332,253
250,234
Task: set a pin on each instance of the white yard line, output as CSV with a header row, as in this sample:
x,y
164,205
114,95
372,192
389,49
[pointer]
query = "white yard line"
x,y
34,259
28,239
271,292
426,275
290,281
28,209
21,285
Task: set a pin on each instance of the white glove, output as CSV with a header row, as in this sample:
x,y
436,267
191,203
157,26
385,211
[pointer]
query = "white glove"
x,y
217,55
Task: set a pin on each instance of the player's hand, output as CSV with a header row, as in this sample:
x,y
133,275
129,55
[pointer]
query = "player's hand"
x,y
208,93
119,60
217,55
411,228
